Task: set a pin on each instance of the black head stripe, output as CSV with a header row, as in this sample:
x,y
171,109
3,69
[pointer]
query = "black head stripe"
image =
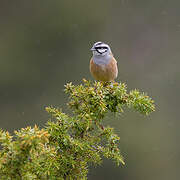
x,y
101,47
97,49
99,43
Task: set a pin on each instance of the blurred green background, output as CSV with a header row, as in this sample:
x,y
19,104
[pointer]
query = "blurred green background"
x,y
45,44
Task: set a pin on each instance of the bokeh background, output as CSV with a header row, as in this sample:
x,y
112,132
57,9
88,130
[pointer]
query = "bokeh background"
x,y
45,44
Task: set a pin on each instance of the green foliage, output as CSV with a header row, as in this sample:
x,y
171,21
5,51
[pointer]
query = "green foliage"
x,y
69,144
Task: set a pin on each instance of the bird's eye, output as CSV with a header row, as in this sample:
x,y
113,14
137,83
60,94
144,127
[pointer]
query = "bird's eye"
x,y
100,48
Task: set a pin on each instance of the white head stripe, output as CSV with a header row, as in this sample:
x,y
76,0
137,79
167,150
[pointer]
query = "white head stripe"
x,y
98,43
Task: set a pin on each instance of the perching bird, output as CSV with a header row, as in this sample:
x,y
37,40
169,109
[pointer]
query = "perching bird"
x,y
103,65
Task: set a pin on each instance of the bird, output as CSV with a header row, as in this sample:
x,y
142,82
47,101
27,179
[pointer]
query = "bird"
x,y
103,65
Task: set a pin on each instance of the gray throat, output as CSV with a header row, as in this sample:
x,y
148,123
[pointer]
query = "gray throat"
x,y
101,60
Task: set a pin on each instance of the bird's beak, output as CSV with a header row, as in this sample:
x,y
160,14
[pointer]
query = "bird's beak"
x,y
92,49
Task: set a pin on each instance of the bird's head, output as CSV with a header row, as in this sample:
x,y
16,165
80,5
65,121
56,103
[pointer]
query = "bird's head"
x,y
101,49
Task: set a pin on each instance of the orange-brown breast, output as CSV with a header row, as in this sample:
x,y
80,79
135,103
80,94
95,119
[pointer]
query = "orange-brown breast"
x,y
106,72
